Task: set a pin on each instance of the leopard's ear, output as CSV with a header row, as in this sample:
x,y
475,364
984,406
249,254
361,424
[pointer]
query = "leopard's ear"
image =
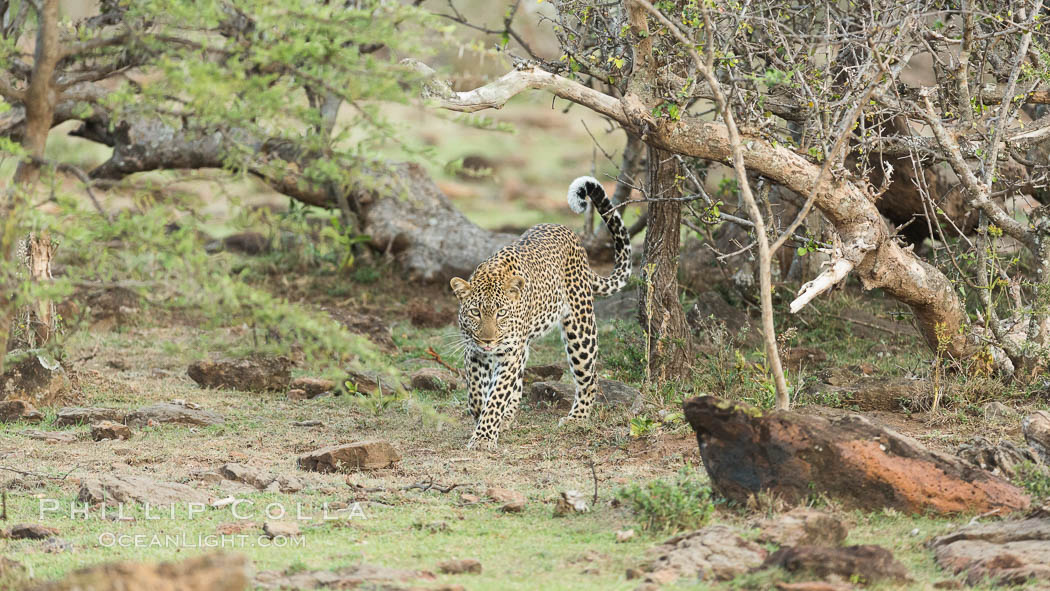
x,y
513,286
460,287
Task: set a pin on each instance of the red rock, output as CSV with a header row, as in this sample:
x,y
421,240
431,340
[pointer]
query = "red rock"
x,y
793,456
362,455
313,387
109,430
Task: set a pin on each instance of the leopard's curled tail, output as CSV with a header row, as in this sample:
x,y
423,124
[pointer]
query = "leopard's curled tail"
x,y
587,187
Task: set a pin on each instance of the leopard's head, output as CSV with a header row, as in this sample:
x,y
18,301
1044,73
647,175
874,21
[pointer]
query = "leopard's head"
x,y
488,307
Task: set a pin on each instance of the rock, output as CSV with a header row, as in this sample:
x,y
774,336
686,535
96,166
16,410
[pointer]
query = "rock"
x,y
622,305
1011,552
570,501
79,415
19,410
864,564
113,489
312,386
369,383
803,526
469,499
1001,458
281,529
610,393
795,455
166,412
110,430
249,243
50,436
296,394
253,374
287,484
208,572
309,423
432,379
513,501
249,476
350,577
25,531
35,378
362,455
208,477
544,373
624,535
458,567
504,495
715,552
1036,427
513,507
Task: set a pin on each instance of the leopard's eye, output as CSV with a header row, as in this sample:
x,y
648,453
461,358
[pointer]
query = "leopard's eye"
x,y
501,314
474,312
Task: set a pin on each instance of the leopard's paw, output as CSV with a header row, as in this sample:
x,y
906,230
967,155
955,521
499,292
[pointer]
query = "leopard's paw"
x,y
481,443
570,421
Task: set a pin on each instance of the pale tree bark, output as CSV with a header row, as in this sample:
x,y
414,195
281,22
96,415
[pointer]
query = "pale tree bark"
x,y
867,247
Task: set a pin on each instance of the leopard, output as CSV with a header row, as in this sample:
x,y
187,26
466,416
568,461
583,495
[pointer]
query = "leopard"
x,y
519,294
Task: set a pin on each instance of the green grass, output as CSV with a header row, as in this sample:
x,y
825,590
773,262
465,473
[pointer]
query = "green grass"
x,y
395,536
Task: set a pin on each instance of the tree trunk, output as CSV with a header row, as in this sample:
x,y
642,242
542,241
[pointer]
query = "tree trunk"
x,y
40,108
660,312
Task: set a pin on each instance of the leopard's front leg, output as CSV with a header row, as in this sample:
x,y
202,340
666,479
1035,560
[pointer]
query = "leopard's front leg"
x,y
480,369
508,371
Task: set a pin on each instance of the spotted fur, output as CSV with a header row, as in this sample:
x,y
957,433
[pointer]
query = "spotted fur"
x,y
521,293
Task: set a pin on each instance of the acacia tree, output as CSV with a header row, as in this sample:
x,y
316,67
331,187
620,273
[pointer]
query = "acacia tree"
x,y
830,101
242,85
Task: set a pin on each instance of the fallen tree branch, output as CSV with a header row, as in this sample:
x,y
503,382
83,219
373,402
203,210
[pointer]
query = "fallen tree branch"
x,y
826,280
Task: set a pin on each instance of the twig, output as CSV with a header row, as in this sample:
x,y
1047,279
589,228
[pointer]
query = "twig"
x,y
38,475
429,484
434,354
982,516
594,475
862,323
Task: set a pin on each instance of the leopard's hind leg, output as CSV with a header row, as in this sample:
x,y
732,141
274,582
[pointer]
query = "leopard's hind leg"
x,y
581,347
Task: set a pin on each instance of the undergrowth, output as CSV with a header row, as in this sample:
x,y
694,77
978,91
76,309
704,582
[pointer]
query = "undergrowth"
x,y
681,503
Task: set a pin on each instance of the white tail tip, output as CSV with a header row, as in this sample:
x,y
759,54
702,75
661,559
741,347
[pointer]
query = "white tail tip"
x,y
578,193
